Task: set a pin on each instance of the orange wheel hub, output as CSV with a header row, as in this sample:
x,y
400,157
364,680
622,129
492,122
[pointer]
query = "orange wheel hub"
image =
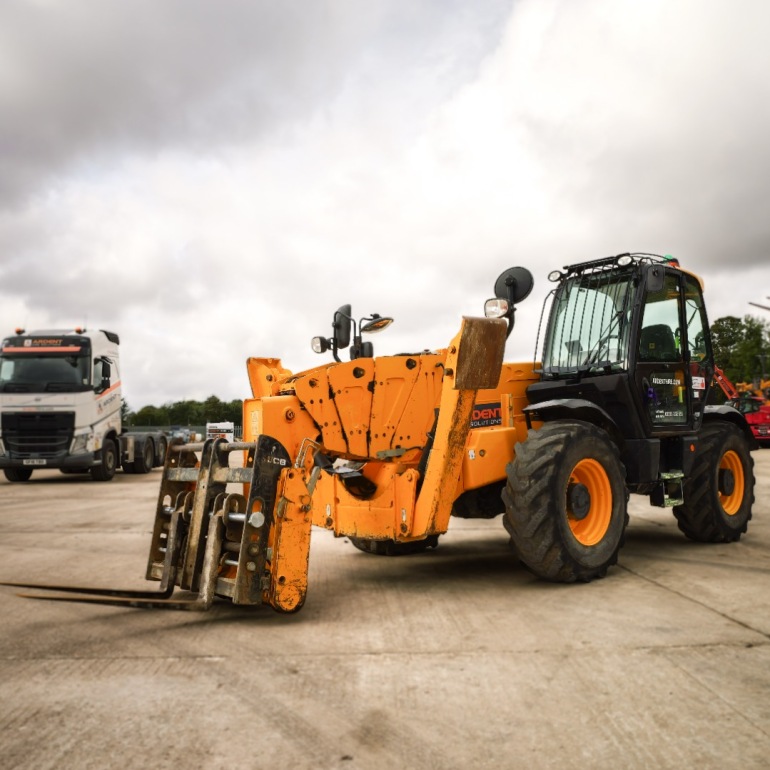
x,y
590,522
731,500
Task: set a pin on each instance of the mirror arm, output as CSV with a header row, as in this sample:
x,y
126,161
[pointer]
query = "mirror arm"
x,y
510,283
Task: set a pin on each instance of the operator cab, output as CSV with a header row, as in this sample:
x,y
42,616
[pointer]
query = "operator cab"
x,y
627,345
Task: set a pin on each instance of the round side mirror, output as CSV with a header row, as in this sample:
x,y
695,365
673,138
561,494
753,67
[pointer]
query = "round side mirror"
x,y
514,284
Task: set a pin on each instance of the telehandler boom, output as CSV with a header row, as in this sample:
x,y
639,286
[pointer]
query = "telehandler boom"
x,y
384,450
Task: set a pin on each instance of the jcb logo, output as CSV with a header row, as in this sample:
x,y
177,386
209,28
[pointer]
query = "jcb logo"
x,y
272,460
485,415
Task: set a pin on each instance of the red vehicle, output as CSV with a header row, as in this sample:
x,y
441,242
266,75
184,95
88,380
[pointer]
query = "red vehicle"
x,y
754,409
757,415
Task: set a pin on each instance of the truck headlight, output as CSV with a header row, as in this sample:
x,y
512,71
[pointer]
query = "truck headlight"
x,y
79,444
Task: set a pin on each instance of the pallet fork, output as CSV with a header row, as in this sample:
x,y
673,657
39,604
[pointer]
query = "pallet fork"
x,y
208,541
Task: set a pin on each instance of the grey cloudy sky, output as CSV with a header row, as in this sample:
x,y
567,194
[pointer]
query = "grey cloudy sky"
x,y
212,179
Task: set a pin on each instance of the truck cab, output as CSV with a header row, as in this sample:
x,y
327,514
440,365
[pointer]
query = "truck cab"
x,y
60,402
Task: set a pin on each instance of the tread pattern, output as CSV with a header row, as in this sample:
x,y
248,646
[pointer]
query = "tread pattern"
x,y
535,516
106,471
702,517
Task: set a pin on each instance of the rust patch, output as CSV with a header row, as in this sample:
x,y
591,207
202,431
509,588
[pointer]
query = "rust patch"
x,y
480,353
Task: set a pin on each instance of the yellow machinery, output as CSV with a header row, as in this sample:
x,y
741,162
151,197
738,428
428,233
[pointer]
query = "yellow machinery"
x,y
384,450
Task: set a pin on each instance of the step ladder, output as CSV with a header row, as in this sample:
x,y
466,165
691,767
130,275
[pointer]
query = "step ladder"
x,y
669,490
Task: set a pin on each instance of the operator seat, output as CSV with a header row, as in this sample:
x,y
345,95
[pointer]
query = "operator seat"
x,y
656,343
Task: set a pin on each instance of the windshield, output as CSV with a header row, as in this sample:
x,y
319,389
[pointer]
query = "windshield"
x,y
589,325
30,373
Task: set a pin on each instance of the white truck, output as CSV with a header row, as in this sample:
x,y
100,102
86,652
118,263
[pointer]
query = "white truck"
x,y
60,407
225,430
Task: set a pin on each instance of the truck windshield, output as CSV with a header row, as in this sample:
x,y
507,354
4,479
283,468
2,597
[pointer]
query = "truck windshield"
x,y
589,325
30,373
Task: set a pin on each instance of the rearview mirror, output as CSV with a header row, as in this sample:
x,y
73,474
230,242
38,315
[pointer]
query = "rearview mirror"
x,y
655,277
514,285
341,326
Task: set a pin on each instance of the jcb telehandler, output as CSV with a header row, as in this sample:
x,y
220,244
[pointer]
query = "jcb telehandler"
x,y
384,450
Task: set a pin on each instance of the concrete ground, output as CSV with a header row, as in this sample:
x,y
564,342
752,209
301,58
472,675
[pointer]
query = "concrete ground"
x,y
458,658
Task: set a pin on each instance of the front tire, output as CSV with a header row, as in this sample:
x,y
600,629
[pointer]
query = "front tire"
x,y
565,502
106,470
719,493
18,474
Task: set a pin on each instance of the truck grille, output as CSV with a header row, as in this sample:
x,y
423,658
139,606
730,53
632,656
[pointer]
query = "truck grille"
x,y
37,434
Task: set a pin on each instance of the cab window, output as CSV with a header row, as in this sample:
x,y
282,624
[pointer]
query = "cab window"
x,y
659,338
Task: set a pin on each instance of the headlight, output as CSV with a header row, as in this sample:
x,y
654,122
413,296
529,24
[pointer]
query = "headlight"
x,y
319,344
79,444
496,308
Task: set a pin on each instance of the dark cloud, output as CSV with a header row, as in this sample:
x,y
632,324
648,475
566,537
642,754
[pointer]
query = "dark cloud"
x,y
88,80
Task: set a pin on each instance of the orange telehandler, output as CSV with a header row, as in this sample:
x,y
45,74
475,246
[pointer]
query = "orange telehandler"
x,y
384,450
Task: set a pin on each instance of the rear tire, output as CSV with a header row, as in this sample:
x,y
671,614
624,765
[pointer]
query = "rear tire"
x,y
106,470
565,502
18,474
144,461
393,547
718,509
162,449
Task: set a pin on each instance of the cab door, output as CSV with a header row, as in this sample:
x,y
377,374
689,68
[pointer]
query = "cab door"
x,y
662,378
696,346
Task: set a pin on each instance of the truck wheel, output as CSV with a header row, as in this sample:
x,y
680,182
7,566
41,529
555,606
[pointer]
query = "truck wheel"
x,y
390,547
18,474
106,470
719,493
162,448
565,502
144,461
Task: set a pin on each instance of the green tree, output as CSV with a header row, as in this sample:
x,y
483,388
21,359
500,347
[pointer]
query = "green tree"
x,y
185,413
755,344
234,411
125,412
739,345
151,416
726,334
212,410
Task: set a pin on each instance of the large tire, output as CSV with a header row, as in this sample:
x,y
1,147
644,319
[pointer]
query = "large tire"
x,y
18,474
106,470
565,502
162,449
144,460
719,493
393,547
